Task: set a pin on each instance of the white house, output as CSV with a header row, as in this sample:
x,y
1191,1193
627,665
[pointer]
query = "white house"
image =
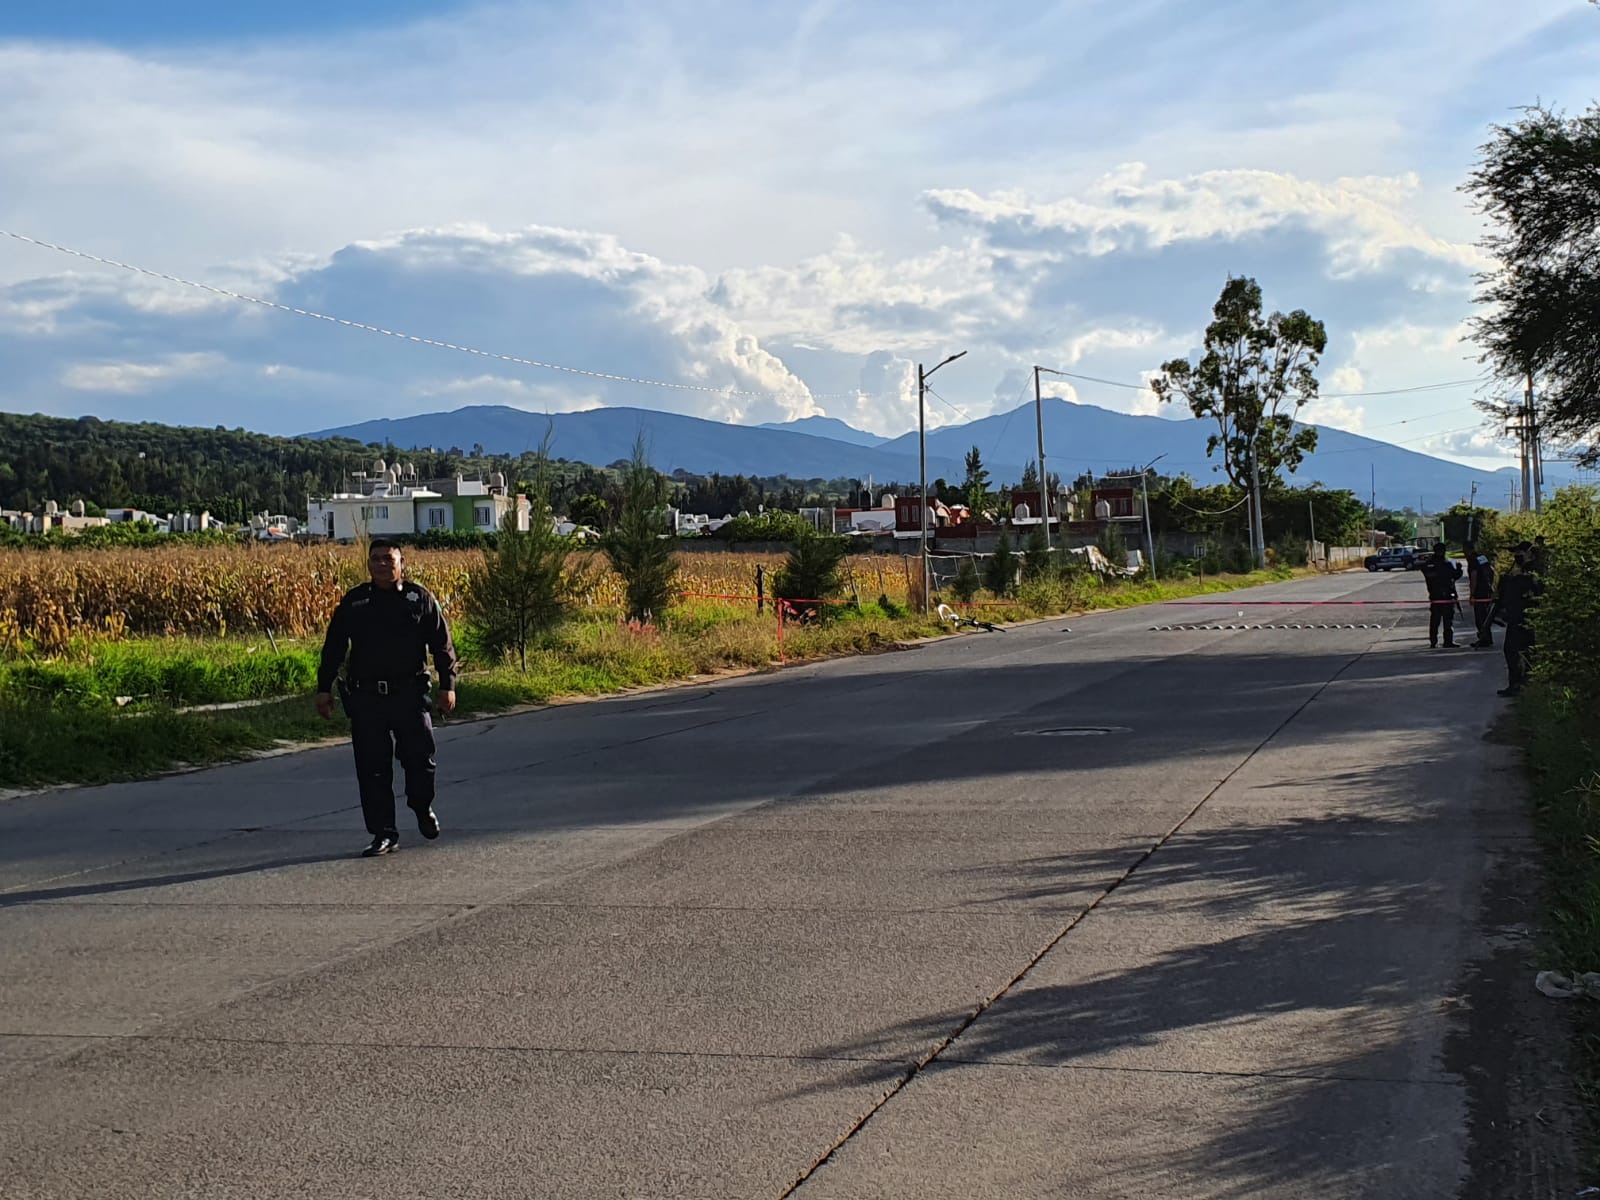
x,y
52,519
391,501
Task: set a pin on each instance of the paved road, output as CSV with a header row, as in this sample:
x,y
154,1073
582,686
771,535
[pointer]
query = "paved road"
x,y
866,928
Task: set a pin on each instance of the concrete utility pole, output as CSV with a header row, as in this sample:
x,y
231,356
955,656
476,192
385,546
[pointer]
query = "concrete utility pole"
x,y
922,451
1536,463
1144,487
1044,476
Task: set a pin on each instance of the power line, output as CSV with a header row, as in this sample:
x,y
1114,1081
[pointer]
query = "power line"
x,y
1443,385
955,408
400,335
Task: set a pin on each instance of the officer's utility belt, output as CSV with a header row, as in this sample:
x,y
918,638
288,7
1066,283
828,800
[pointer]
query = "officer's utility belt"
x,y
383,687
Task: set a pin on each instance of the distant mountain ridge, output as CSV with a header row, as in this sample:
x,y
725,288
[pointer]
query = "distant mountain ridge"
x,y
1078,438
828,427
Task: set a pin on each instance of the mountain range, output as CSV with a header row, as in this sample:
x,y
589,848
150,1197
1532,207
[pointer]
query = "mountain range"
x,y
1078,438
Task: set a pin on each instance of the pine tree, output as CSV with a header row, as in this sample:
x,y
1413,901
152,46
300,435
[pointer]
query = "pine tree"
x,y
525,587
1000,573
1036,555
966,583
640,545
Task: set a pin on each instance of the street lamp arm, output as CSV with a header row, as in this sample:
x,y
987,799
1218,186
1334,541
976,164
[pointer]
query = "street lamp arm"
x,y
936,366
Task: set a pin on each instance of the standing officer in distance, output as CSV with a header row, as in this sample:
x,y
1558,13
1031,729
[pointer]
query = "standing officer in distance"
x,y
1480,591
389,625
1519,593
1440,574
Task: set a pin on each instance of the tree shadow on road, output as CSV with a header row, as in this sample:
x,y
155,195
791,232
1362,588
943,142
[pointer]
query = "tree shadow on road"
x,y
1292,981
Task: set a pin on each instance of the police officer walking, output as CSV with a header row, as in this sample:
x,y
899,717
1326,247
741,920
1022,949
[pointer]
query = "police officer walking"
x,y
388,626
1440,574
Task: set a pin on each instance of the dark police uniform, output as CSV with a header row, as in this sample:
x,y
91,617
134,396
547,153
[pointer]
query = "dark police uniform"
x,y
1482,591
1519,592
389,633
1440,574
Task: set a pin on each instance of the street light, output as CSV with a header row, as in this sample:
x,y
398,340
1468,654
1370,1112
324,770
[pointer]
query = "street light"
x,y
922,451
1144,487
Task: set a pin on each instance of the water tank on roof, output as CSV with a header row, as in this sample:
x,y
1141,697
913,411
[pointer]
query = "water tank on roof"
x,y
497,480
51,508
379,467
1021,512
1102,510
77,508
888,500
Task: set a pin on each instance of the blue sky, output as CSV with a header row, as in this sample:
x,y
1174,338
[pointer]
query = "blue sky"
x,y
796,202
186,22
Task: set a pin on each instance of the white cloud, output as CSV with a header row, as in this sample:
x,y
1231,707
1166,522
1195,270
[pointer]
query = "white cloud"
x,y
131,378
1338,413
1363,220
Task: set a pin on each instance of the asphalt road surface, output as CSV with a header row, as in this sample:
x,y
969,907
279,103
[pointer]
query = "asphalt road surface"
x,y
1099,911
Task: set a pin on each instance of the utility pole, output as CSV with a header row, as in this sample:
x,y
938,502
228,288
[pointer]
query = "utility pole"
x,y
922,493
1311,515
1144,487
1372,506
922,451
1044,480
1537,463
1522,445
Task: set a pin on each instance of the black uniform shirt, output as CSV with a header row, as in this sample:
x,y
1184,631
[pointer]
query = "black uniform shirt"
x,y
389,632
1441,575
1518,593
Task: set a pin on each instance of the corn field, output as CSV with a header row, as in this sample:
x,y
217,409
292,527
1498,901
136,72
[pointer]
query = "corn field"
x,y
48,599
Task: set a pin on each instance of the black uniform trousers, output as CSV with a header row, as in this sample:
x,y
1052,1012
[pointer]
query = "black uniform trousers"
x,y
1482,617
382,729
1518,644
1441,612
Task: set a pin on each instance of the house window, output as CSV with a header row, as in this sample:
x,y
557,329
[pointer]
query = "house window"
x,y
374,512
483,514
436,518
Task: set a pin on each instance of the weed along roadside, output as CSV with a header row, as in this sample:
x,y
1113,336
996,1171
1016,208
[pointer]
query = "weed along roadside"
x,y
1556,721
97,707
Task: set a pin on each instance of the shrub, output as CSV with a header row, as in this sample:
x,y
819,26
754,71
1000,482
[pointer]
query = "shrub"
x,y
1000,572
1113,545
811,572
966,583
766,527
1289,551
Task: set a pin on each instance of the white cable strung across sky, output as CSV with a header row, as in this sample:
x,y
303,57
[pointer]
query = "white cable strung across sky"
x,y
411,337
1440,386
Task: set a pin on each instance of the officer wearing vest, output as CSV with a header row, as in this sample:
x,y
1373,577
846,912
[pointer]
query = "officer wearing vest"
x,y
389,625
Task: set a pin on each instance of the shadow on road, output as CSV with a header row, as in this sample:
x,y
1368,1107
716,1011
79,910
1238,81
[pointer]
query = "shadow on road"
x,y
112,887
1297,967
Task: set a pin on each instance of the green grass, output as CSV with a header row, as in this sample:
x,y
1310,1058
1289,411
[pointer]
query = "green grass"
x,y
1561,745
107,710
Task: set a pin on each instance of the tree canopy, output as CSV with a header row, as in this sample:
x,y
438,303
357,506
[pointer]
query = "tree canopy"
x,y
1539,182
1255,375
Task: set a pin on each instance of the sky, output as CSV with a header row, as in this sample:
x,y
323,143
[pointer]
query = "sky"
x,y
781,209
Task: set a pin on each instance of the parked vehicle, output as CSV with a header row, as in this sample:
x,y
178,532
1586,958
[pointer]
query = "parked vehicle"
x,y
1390,557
